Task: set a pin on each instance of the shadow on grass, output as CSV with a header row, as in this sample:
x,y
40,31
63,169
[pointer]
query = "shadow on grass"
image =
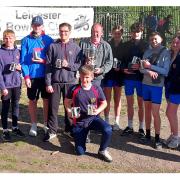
x,y
132,144
65,145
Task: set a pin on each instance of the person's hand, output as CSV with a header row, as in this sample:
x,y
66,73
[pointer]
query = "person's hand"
x,y
153,74
116,69
28,83
97,71
126,71
135,66
146,64
49,89
5,92
39,60
18,67
65,63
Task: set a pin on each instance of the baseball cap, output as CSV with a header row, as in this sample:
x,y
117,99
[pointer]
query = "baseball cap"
x,y
37,20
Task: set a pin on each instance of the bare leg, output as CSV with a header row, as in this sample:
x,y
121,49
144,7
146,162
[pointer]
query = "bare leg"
x,y
130,108
107,92
33,110
157,119
171,113
117,101
140,109
148,116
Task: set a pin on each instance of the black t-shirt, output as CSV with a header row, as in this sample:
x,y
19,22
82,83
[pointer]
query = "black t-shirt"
x,y
174,76
133,48
117,53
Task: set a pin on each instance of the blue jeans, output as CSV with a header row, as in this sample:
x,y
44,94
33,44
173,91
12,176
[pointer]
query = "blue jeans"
x,y
80,134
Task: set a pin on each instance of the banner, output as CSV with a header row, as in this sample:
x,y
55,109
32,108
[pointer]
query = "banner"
x,y
19,20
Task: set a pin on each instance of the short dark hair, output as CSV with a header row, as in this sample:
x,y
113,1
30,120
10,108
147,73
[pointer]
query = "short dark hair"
x,y
118,27
86,69
154,34
137,27
65,24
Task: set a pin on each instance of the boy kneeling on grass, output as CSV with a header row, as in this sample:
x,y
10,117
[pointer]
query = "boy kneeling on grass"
x,y
83,104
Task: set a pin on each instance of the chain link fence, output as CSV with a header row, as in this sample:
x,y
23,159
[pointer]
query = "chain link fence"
x,y
126,16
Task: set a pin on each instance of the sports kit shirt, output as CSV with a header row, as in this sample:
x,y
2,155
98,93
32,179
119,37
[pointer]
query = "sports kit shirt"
x,y
85,97
29,45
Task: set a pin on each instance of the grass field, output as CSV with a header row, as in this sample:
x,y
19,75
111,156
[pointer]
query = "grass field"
x,y
58,156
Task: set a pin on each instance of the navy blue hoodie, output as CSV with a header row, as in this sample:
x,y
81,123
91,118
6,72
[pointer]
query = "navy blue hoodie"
x,y
9,79
58,50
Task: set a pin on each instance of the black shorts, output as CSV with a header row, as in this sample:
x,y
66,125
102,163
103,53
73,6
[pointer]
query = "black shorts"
x,y
37,86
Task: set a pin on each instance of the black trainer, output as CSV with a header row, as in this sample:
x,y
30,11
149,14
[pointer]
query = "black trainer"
x,y
145,139
48,136
127,131
158,145
141,133
17,132
6,136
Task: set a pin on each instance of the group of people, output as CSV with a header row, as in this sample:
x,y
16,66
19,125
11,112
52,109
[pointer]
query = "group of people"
x,y
153,23
85,76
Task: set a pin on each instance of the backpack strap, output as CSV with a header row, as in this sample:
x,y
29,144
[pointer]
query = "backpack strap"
x,y
158,55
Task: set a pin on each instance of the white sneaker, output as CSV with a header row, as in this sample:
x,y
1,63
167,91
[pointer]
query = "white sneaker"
x,y
33,130
174,143
45,128
105,156
168,140
116,127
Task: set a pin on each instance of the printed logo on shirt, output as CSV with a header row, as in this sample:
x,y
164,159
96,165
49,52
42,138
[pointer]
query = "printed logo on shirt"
x,y
70,52
93,100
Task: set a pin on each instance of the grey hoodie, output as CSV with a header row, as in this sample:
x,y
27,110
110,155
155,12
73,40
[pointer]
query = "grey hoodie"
x,y
161,67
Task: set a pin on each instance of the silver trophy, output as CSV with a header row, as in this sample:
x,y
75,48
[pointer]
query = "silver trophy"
x,y
35,56
91,108
12,66
75,112
115,63
91,54
58,63
135,60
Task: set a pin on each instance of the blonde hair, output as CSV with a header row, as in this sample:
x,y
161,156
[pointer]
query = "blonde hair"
x,y
86,69
8,31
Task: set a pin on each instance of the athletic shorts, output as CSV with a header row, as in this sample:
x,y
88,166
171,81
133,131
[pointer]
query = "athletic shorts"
x,y
130,85
38,87
152,93
167,87
112,83
174,98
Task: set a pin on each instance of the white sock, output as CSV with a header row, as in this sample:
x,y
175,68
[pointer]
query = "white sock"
x,y
130,123
141,124
5,130
117,120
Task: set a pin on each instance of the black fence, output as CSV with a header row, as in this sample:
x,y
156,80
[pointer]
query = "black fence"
x,y
125,16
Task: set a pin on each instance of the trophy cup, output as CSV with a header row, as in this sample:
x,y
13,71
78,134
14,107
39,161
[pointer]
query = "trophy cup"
x,y
90,54
58,63
91,108
75,112
135,60
12,66
115,63
35,56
